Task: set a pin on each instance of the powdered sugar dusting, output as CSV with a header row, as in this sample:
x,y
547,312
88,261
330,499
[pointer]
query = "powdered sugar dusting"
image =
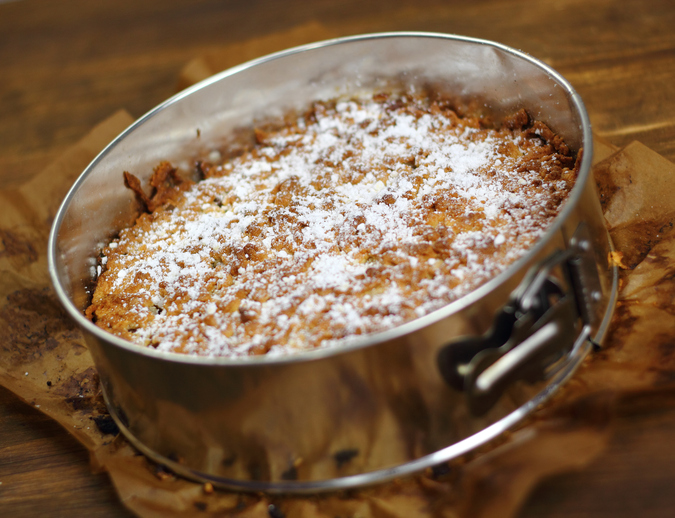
x,y
364,214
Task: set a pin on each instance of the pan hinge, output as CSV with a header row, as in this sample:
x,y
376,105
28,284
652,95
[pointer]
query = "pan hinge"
x,y
547,317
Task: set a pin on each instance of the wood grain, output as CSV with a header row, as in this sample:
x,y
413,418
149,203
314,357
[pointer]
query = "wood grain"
x,y
64,66
45,470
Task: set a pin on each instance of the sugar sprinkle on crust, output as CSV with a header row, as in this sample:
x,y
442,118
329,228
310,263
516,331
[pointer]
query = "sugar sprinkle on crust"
x,y
363,214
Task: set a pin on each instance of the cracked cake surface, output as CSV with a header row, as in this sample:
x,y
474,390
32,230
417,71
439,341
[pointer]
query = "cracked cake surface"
x,y
358,215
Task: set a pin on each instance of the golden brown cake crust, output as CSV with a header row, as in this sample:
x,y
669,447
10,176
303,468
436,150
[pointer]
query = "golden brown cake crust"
x,y
360,215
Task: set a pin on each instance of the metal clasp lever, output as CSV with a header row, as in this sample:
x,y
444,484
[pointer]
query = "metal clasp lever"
x,y
539,326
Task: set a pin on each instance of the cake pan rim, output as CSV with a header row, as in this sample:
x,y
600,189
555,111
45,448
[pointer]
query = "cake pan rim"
x,y
349,344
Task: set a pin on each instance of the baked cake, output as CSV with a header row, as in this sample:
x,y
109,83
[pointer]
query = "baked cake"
x,y
354,217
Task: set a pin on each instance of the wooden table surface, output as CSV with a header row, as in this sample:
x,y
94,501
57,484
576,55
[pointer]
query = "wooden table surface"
x,y
64,66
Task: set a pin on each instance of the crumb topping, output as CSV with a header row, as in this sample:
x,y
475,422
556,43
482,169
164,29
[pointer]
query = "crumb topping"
x,y
360,215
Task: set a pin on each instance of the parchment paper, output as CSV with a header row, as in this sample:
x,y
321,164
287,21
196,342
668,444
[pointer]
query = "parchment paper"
x,y
43,358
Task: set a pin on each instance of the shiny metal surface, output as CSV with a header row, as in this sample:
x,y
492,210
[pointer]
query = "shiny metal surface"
x,y
378,407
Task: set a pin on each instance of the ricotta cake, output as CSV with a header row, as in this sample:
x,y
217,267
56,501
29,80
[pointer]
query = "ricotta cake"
x,y
356,216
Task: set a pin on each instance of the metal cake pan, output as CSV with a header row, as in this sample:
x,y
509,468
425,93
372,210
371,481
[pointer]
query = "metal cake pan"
x,y
387,404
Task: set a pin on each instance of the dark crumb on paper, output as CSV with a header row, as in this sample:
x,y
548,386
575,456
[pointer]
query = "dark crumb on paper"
x,y
290,474
106,424
201,506
175,458
163,473
342,457
77,403
439,470
348,494
256,471
274,512
80,385
229,461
